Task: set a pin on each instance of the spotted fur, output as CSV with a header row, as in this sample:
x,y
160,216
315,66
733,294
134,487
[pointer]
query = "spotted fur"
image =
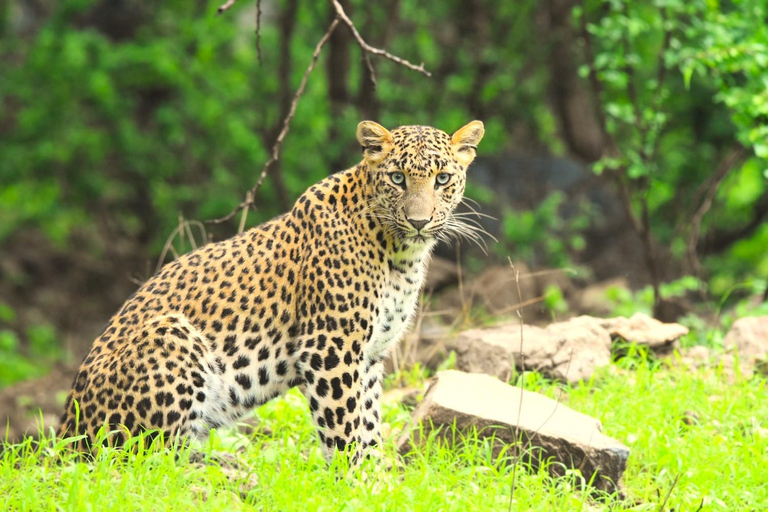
x,y
315,298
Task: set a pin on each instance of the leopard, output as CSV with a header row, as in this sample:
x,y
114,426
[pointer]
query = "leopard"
x,y
315,298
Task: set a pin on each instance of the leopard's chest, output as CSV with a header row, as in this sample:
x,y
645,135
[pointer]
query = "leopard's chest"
x,y
397,305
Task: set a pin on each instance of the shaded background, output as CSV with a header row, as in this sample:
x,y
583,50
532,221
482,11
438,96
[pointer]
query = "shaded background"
x,y
625,143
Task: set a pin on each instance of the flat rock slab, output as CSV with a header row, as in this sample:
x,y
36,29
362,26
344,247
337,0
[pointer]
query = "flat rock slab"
x,y
549,431
567,351
749,336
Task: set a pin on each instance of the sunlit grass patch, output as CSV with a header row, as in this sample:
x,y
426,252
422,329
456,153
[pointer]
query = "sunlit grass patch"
x,y
705,428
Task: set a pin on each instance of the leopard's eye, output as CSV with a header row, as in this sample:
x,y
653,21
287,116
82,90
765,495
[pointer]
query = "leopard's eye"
x,y
443,178
398,178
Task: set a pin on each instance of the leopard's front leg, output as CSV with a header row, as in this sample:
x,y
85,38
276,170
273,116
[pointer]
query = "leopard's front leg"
x,y
371,406
333,385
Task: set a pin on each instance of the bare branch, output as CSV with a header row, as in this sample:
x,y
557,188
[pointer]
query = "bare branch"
x,y
371,72
731,160
251,194
182,230
366,48
225,6
258,30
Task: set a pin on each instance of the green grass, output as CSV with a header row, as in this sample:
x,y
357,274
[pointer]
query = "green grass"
x,y
709,427
719,457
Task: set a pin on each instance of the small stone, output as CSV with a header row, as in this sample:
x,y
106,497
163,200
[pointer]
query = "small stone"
x,y
690,418
554,432
749,337
694,357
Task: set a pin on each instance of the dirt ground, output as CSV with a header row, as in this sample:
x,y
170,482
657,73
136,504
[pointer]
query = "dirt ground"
x,y
74,292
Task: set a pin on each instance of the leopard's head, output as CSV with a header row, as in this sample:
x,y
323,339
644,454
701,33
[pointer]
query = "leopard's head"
x,y
417,176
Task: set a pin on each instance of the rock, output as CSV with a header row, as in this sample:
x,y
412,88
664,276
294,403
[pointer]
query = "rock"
x,y
504,413
696,357
749,337
642,329
568,351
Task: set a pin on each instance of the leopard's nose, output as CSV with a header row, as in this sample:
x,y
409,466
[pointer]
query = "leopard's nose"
x,y
418,223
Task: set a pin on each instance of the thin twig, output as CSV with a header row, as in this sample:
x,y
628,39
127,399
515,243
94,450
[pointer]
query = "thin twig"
x,y
522,386
258,30
168,247
538,273
371,72
251,194
617,175
225,6
521,305
669,493
366,48
184,228
243,218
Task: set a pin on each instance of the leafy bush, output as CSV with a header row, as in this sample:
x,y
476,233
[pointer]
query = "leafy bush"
x,y
683,90
113,133
17,363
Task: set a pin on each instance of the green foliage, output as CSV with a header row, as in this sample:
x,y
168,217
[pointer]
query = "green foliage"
x,y
114,137
543,235
13,366
700,333
17,363
7,314
178,117
625,302
661,65
99,125
554,301
734,53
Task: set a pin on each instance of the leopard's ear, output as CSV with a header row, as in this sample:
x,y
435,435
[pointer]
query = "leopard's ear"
x,y
375,140
465,140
